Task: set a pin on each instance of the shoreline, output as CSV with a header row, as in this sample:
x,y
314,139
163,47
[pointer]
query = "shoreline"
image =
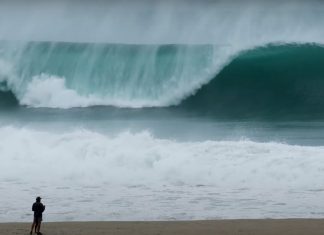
x,y
199,227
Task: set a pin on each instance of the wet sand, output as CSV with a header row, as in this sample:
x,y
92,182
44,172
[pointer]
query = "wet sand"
x,y
206,227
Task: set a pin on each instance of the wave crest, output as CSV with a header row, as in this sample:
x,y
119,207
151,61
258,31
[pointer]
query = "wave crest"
x,y
280,80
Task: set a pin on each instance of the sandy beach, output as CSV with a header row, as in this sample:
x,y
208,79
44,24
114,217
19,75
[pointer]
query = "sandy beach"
x,y
209,227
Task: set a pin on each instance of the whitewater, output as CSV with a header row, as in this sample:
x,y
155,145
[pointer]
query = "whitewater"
x,y
219,179
161,110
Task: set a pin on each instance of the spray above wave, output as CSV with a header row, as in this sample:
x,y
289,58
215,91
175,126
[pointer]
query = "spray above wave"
x,y
243,23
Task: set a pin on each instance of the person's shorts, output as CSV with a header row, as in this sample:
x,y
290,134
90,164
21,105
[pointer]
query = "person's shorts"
x,y
38,219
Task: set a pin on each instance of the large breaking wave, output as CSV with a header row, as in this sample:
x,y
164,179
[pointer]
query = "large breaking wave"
x,y
64,75
276,78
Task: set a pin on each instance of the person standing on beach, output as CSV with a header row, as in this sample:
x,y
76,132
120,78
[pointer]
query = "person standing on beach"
x,y
38,209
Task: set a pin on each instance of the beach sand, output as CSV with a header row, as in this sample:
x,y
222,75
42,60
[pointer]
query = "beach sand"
x,y
206,227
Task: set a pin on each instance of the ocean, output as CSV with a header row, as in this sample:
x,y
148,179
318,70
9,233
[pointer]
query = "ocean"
x,y
162,110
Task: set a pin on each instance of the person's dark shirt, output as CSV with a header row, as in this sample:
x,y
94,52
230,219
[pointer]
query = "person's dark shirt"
x,y
38,209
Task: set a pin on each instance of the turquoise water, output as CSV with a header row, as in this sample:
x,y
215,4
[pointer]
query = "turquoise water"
x,y
274,81
168,111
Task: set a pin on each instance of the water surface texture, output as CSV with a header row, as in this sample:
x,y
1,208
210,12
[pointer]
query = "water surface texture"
x,y
162,110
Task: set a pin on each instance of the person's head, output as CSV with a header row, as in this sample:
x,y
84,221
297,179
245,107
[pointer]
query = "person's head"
x,y
38,199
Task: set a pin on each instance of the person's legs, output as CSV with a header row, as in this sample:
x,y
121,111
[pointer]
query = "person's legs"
x,y
39,222
34,225
38,227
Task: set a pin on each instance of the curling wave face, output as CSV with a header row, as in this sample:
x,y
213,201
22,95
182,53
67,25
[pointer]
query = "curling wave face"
x,y
281,80
274,80
64,75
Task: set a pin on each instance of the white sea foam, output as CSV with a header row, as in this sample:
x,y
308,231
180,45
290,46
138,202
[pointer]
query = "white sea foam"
x,y
139,158
49,91
135,176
